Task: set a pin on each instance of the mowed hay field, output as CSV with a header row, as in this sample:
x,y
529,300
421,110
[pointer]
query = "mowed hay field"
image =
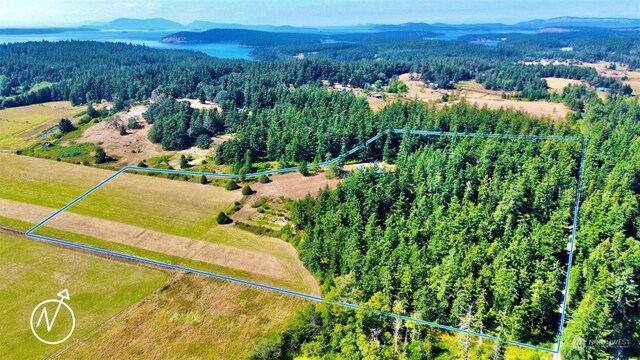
x,y
34,271
558,84
19,125
194,318
171,206
166,220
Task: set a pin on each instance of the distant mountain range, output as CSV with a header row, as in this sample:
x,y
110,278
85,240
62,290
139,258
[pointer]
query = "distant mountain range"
x,y
142,24
199,25
160,24
569,21
566,23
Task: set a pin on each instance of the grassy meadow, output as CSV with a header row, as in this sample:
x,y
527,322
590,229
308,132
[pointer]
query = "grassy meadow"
x,y
193,318
172,207
20,125
34,271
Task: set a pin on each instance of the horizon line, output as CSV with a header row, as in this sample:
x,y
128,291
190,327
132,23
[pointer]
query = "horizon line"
x,y
93,23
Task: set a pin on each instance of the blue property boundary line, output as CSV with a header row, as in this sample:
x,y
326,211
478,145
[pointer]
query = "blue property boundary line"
x,y
30,232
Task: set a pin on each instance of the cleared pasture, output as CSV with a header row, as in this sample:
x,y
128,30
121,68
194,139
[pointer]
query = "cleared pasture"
x,y
33,271
19,126
194,317
167,220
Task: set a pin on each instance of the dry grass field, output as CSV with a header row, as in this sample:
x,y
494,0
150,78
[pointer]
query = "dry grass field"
x,y
135,146
557,84
196,104
34,271
175,207
20,125
157,215
251,261
633,77
128,149
193,318
476,94
123,311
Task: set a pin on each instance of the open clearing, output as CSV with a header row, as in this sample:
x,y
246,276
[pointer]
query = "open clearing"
x,y
196,104
633,77
20,125
128,149
476,94
195,317
221,255
294,186
558,84
135,146
554,111
32,271
166,216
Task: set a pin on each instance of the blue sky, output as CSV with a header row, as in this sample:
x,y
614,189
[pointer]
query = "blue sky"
x,y
307,12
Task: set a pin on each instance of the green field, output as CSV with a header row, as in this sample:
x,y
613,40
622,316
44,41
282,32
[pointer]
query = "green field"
x,y
172,207
300,284
19,126
33,271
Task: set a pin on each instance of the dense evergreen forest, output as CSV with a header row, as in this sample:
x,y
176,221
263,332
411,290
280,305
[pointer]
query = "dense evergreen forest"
x,y
473,233
409,44
85,72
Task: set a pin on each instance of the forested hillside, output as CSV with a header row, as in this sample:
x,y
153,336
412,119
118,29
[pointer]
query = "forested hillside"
x,y
416,43
473,233
84,72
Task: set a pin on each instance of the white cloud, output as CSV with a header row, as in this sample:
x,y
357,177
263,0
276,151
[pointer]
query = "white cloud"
x,y
152,5
129,5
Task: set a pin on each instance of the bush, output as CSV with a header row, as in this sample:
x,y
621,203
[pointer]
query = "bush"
x,y
65,126
302,168
133,124
315,166
263,179
334,171
123,131
142,164
203,180
92,112
183,162
203,141
84,120
222,218
262,201
247,190
231,185
101,157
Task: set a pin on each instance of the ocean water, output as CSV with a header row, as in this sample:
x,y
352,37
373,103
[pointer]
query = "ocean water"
x,y
226,50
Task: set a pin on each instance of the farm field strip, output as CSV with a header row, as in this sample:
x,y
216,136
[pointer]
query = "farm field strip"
x,y
30,232
33,271
221,255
